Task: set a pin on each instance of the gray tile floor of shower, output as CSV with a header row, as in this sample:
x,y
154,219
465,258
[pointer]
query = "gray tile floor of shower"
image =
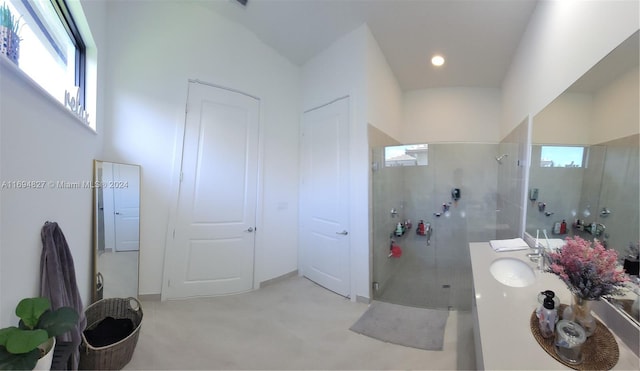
x,y
430,276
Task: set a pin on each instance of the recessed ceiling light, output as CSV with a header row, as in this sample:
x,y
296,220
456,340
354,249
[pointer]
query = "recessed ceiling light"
x,y
437,60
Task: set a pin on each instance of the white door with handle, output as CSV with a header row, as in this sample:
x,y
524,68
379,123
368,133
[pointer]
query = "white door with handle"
x,y
324,203
213,244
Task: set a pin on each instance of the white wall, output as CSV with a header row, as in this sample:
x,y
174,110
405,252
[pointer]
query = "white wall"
x,y
150,62
566,120
563,40
452,115
615,109
584,119
41,140
384,96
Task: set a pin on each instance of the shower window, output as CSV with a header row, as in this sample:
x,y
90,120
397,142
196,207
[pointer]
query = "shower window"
x,y
562,156
408,155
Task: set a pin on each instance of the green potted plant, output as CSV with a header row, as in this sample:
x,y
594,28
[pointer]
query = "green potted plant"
x,y
21,347
9,39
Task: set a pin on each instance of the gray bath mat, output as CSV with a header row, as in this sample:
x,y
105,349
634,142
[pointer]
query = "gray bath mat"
x,y
412,327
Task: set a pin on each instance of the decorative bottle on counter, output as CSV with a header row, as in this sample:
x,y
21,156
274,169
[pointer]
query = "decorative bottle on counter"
x,y
548,318
580,312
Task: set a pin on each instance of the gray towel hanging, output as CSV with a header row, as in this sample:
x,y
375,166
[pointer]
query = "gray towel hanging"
x,y
58,282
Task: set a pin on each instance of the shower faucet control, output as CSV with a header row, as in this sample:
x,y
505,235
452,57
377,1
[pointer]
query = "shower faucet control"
x,y
445,207
455,194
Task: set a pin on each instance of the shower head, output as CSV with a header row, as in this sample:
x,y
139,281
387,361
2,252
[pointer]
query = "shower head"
x,y
499,158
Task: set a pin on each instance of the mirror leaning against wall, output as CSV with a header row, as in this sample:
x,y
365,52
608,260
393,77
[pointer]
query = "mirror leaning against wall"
x,y
584,173
116,230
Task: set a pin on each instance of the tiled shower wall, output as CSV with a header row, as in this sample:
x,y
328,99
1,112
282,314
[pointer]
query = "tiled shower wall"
x,y
609,180
470,167
559,189
418,193
620,192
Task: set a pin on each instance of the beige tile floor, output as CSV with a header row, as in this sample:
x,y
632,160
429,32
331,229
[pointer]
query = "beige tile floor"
x,y
291,324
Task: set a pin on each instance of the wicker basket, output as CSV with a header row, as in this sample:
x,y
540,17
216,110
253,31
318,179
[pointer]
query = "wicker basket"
x,y
114,356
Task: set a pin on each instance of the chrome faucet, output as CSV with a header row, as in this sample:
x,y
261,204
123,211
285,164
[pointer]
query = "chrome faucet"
x,y
539,253
541,257
543,261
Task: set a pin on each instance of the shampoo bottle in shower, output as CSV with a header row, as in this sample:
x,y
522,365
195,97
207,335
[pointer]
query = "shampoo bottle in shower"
x,y
399,230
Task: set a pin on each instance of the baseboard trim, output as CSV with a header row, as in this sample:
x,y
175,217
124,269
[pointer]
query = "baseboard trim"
x,y
150,297
362,299
278,279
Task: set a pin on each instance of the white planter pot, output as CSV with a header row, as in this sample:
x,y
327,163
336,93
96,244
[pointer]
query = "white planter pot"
x,y
44,363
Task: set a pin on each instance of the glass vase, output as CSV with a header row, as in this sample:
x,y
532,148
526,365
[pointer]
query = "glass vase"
x,y
580,312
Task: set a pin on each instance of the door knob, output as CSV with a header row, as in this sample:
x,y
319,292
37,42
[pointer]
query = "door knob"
x,y
344,233
250,229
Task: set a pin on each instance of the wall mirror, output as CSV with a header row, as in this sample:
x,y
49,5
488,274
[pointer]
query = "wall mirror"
x,y
116,217
584,160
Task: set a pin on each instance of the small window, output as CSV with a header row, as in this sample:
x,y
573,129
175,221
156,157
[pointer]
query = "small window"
x,y
411,155
51,50
561,156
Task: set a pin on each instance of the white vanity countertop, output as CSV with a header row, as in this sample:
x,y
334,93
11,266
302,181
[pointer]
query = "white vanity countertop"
x,y
504,313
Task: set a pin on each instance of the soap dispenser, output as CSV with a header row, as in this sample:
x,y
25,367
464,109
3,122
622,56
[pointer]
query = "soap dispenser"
x,y
542,296
548,318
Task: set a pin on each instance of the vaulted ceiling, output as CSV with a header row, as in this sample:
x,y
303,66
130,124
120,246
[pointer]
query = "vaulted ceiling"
x,y
478,38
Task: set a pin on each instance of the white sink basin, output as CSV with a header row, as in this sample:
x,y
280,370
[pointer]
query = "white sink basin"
x,y
512,272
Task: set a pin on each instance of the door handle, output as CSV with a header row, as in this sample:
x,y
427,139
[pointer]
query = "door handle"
x,y
249,230
344,233
117,213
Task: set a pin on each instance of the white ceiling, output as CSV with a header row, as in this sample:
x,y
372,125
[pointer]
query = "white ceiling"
x,y
477,37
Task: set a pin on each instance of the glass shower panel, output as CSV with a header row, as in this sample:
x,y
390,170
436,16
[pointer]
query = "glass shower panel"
x,y
435,272
388,210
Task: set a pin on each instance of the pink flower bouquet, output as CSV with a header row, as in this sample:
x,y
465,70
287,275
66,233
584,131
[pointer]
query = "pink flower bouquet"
x,y
590,272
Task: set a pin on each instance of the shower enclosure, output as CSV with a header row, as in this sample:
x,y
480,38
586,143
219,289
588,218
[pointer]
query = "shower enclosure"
x,y
451,186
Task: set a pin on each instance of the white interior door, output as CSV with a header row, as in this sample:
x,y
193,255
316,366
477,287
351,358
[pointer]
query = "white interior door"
x,y
213,247
324,200
126,197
